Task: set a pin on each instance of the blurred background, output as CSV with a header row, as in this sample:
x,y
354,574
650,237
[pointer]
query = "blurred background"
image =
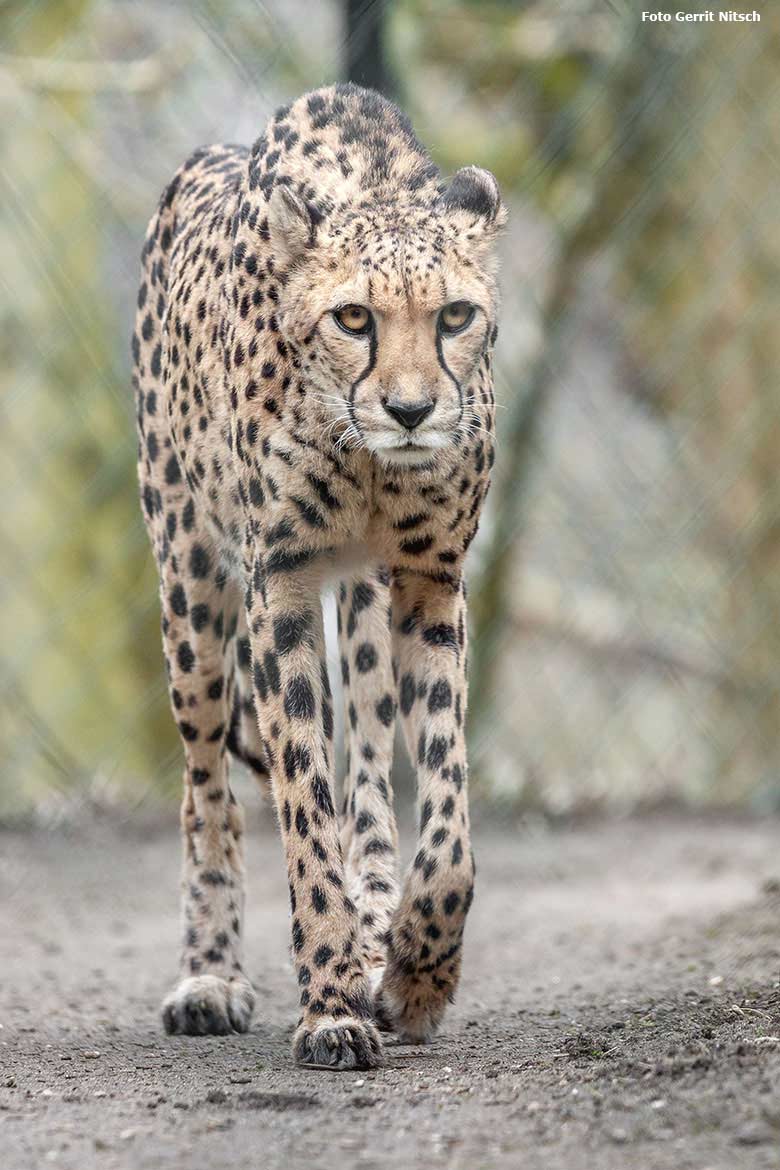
x,y
625,587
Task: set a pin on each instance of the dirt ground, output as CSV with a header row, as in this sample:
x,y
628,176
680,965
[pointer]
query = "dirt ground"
x,y
620,1008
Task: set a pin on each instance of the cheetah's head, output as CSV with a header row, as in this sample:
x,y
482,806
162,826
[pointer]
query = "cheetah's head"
x,y
393,306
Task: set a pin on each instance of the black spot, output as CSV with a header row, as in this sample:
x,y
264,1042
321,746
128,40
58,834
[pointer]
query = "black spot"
x,y
178,600
442,634
185,657
172,471
256,493
299,698
362,596
364,822
309,513
451,902
281,561
323,955
411,522
440,697
365,657
272,671
322,796
385,710
417,546
437,751
200,562
408,693
258,677
281,531
200,616
188,516
324,492
319,900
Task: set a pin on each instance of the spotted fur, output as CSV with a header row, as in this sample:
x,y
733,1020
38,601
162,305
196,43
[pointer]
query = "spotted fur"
x,y
271,459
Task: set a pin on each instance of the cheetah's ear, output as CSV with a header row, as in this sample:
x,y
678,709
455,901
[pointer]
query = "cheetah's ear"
x,y
292,223
476,192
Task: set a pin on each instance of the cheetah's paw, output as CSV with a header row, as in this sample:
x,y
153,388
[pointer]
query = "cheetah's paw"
x,y
338,1044
208,1005
409,1008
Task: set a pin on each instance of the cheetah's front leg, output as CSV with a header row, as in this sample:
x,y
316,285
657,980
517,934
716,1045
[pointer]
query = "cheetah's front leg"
x,y
369,833
423,967
295,715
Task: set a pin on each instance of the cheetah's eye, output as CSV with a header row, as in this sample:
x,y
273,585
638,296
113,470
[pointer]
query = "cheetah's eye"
x,y
354,319
455,317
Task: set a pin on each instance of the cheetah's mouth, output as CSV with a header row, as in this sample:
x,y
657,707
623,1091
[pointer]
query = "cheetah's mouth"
x,y
407,450
407,455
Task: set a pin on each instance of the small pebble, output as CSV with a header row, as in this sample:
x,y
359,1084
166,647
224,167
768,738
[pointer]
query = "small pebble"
x,y
753,1133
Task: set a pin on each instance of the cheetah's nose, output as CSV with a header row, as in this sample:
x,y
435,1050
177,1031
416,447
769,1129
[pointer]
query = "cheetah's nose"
x,y
408,414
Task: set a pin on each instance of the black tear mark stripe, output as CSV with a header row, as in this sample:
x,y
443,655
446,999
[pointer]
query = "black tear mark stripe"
x,y
485,348
372,348
449,373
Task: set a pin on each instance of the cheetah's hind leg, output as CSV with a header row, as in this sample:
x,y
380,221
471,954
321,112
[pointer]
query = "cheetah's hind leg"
x,y
244,740
199,609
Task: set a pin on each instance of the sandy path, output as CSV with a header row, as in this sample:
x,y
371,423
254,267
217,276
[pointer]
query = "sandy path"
x,y
620,1008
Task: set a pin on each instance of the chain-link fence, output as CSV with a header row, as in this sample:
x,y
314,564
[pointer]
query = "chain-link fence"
x,y
626,644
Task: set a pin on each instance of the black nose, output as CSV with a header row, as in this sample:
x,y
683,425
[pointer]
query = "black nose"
x,y
408,414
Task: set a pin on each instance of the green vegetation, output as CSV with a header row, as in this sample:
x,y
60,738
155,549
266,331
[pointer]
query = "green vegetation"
x,y
625,586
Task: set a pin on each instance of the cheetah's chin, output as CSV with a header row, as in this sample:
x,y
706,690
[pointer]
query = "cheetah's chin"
x,y
406,456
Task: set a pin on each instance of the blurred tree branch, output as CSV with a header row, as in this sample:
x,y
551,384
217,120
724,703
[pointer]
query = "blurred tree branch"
x,y
365,45
627,96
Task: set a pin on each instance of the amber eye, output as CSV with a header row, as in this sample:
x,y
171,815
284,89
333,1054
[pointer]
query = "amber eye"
x,y
455,317
354,319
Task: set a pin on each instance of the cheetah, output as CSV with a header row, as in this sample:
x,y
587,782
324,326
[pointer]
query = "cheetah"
x,y
313,375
